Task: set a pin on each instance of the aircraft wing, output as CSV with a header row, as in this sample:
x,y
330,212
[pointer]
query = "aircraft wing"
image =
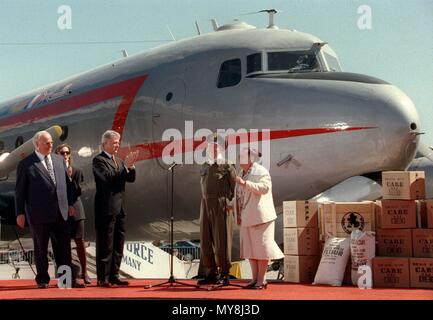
x,y
425,151
352,189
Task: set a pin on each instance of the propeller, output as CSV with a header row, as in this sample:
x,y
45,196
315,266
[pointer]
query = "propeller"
x,y
273,11
270,12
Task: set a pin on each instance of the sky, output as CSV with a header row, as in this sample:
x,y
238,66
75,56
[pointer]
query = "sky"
x,y
395,44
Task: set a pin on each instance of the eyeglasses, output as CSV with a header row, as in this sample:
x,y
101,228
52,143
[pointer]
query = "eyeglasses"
x,y
64,152
49,143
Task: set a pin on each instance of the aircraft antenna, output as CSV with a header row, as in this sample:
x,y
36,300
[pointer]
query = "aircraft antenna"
x,y
198,28
214,24
125,53
172,36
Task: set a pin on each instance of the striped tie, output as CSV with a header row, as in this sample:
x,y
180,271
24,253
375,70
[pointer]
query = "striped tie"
x,y
115,162
50,169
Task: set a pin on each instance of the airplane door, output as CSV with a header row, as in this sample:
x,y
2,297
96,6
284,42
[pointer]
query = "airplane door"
x,y
167,111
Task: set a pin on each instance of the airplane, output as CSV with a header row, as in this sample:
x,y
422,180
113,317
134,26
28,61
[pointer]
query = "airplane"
x,y
325,125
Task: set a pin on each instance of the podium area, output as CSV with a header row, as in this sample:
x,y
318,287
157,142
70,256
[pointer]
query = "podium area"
x,y
26,289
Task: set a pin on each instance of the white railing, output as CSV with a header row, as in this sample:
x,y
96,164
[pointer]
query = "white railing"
x,y
13,256
184,253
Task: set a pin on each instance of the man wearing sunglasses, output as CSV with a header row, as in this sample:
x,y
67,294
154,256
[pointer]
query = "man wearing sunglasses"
x,y
43,197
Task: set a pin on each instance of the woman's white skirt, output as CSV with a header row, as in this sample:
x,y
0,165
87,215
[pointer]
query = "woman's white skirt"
x,y
258,242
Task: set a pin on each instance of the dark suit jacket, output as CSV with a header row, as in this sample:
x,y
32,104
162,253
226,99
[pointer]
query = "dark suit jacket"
x,y
35,193
110,185
77,178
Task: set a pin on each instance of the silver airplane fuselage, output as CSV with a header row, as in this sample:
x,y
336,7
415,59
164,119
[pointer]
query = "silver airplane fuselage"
x,y
324,126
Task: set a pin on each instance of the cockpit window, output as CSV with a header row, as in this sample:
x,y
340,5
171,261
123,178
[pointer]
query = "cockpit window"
x,y
294,61
333,63
331,58
230,73
254,62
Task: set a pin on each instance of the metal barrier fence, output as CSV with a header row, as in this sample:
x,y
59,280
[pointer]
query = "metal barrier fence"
x,y
13,256
183,253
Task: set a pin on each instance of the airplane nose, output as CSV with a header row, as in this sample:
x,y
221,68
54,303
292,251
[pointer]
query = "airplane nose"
x,y
400,127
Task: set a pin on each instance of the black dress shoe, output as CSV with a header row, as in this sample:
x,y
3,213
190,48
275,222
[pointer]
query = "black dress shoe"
x,y
119,282
43,285
86,279
249,285
224,281
263,286
76,284
207,280
104,284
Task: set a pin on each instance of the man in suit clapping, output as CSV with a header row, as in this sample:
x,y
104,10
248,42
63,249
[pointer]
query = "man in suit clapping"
x,y
111,175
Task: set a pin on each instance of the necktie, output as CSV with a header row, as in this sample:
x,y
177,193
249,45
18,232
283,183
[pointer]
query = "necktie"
x,y
115,162
50,169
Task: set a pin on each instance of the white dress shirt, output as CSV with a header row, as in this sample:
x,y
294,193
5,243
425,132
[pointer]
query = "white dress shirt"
x,y
42,158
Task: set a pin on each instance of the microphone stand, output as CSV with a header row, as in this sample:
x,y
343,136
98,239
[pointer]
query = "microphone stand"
x,y
171,280
26,256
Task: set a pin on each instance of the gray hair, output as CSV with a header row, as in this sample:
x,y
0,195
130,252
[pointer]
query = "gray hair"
x,y
38,135
108,135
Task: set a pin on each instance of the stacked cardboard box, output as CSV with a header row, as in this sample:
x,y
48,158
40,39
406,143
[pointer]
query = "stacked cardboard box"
x,y
421,272
403,185
390,272
301,241
404,240
426,214
339,219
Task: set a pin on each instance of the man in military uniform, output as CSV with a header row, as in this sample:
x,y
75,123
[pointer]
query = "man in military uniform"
x,y
216,225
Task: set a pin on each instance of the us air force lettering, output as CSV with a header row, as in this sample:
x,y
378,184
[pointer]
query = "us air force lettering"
x,y
136,254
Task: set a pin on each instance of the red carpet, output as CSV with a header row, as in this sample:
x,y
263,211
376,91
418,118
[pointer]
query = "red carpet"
x,y
26,289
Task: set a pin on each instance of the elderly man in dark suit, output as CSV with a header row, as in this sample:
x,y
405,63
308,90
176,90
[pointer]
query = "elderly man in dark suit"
x,y
43,196
111,175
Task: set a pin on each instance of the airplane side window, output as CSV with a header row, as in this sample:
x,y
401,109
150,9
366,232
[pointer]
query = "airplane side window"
x,y
169,96
254,62
230,73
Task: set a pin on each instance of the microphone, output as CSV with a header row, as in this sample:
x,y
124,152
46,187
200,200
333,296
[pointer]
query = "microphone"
x,y
172,166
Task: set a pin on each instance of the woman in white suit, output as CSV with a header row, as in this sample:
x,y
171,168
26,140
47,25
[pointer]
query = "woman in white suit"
x,y
256,216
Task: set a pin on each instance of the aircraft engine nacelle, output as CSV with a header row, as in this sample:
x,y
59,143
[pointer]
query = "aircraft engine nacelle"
x,y
9,162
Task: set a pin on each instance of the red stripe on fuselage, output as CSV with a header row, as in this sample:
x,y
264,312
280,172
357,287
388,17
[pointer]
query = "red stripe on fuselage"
x,y
126,89
155,150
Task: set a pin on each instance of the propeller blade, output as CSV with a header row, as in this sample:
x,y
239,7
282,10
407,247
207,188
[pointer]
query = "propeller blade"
x,y
261,11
